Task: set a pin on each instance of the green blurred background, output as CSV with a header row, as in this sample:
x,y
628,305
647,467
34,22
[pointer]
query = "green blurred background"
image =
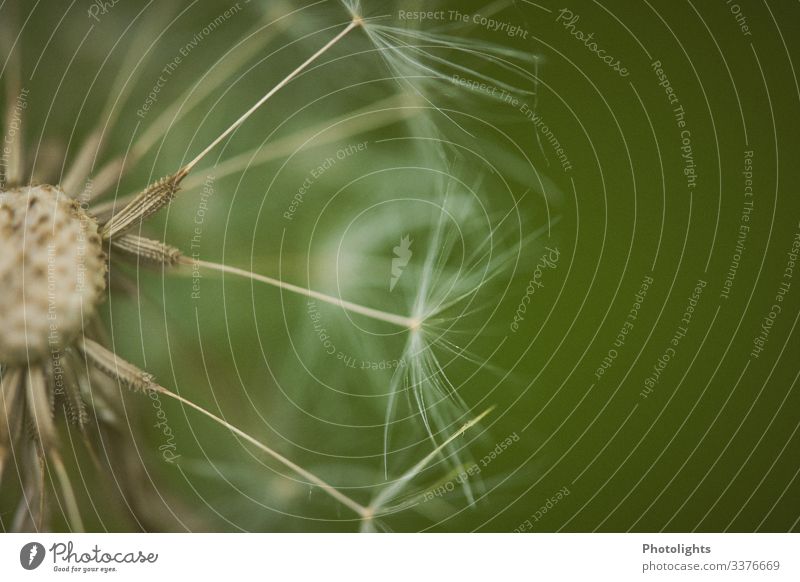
x,y
712,446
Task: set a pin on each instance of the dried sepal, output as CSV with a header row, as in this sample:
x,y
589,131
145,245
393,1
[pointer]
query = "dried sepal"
x,y
112,365
40,407
151,251
152,199
66,388
10,382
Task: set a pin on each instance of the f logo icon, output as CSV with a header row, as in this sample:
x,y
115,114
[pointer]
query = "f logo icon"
x,y
31,555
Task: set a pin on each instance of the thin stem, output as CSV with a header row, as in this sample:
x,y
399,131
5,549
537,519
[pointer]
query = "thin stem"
x,y
355,23
371,117
199,92
375,116
162,192
110,364
126,80
326,487
109,173
392,490
399,320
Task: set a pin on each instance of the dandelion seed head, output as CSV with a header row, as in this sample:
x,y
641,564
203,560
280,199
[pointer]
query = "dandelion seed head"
x,y
52,271
54,354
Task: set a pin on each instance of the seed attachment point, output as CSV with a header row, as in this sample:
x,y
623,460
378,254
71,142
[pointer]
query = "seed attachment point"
x,y
152,199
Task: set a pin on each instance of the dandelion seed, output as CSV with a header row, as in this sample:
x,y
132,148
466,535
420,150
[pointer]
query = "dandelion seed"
x,y
399,320
389,493
386,112
415,59
217,75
